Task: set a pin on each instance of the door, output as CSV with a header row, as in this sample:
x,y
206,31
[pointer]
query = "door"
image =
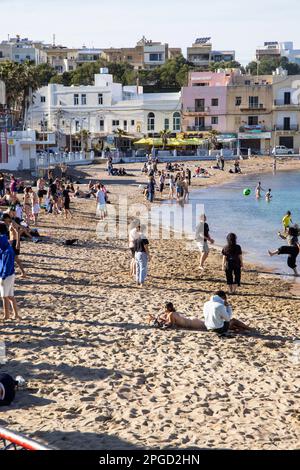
x,y
199,123
286,124
287,142
200,105
287,97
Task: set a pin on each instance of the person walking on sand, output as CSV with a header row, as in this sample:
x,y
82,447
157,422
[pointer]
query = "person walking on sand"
x,y
218,316
258,190
35,206
162,179
134,234
142,256
7,279
292,250
27,205
41,192
101,202
172,187
66,201
232,263
202,238
269,195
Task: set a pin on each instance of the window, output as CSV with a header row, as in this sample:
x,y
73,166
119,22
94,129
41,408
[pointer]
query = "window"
x,y
43,99
200,105
125,125
11,151
129,57
115,123
101,125
215,120
83,100
76,100
71,67
176,121
151,122
252,120
253,101
238,100
156,57
28,57
132,123
17,56
287,97
215,102
100,98
167,124
247,82
77,126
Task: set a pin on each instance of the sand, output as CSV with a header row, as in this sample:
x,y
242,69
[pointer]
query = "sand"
x,y
99,377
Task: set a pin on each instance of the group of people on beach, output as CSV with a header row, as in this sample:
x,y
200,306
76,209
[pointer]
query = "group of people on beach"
x,y
19,222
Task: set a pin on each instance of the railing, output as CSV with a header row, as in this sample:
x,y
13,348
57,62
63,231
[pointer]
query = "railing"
x,y
12,441
198,109
254,128
45,160
283,103
252,107
291,127
199,128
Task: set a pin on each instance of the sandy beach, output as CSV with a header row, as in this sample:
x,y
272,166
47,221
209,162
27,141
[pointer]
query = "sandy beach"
x,y
99,377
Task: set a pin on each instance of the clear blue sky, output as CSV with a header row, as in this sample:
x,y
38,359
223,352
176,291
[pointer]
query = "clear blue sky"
x,y
232,24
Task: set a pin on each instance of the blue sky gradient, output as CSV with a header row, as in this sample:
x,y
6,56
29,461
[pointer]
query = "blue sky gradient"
x,y
232,24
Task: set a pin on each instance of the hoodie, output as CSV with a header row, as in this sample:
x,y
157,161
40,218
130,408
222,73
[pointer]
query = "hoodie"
x,y
216,313
7,258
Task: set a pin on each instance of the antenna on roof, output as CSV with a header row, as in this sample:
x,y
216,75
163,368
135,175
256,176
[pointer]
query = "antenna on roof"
x,y
54,38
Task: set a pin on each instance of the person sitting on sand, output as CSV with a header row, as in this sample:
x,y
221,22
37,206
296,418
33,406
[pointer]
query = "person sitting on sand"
x,y
218,316
170,317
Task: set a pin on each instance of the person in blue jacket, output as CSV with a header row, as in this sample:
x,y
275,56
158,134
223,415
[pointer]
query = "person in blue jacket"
x,y
7,278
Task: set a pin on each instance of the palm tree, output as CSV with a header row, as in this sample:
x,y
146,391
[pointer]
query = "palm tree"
x,y
213,139
119,135
83,136
165,135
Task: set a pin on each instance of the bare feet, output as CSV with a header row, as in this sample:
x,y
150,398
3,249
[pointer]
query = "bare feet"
x,y
270,253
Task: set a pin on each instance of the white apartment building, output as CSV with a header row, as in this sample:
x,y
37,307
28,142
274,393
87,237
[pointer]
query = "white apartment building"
x,y
20,50
276,50
103,108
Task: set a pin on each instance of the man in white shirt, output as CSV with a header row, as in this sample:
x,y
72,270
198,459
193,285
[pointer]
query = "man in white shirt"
x,y
218,316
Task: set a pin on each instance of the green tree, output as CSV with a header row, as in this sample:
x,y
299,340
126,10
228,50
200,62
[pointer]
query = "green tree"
x,y
44,74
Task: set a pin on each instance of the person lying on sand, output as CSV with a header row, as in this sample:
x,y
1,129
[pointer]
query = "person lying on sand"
x,y
170,317
218,316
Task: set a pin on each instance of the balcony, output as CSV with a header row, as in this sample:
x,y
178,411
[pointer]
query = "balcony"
x,y
283,104
290,128
253,107
254,129
197,109
199,128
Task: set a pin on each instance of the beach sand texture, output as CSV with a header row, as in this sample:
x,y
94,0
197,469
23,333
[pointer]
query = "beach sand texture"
x,y
100,377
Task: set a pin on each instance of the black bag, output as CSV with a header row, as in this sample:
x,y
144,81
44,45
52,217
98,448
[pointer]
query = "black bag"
x,y
9,385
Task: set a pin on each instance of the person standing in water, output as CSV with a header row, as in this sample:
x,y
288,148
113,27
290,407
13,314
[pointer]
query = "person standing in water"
x,y
286,221
269,195
258,190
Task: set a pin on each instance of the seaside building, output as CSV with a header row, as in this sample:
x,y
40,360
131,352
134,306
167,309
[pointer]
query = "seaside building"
x,y
145,55
64,59
102,109
20,50
286,109
276,50
202,54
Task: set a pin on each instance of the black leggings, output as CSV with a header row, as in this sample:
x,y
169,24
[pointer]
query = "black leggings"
x,y
293,252
233,271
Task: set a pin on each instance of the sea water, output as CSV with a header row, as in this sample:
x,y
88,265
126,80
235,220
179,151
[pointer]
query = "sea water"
x,y
255,222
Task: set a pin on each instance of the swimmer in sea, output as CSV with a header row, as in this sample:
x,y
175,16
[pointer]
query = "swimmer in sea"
x,y
268,196
258,190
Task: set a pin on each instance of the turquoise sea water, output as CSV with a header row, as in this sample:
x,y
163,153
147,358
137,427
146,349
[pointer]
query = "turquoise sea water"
x,y
256,222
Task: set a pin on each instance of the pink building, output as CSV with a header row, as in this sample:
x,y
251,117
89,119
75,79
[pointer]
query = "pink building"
x,y
204,101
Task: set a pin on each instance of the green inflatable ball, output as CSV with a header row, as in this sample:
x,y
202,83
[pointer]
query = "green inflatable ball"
x,y
247,192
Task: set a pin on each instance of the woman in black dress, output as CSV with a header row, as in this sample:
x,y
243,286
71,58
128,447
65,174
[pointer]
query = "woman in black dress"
x,y
66,201
232,263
